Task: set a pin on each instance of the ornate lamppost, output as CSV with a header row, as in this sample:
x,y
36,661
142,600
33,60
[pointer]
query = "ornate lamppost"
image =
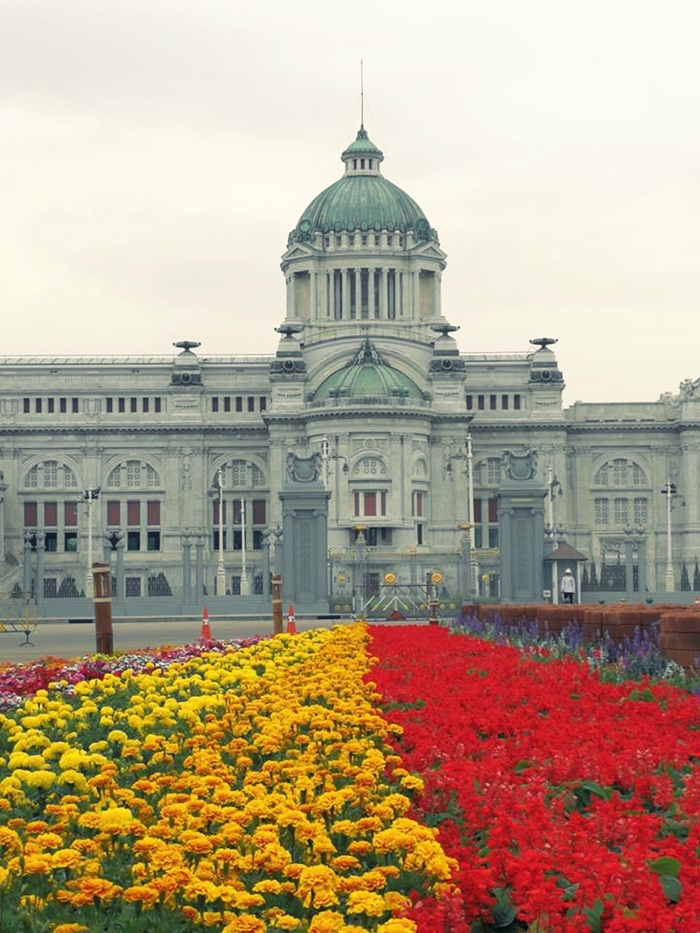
x,y
90,495
245,583
220,569
671,492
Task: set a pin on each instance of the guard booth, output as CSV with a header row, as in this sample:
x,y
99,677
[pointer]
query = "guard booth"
x,y
557,562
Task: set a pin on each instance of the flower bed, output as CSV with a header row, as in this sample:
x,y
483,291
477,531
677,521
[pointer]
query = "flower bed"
x,y
570,805
246,791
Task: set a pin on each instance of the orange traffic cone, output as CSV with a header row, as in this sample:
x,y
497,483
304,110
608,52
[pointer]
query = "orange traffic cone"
x,y
205,637
291,622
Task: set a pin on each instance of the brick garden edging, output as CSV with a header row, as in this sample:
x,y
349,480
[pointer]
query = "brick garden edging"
x,y
679,625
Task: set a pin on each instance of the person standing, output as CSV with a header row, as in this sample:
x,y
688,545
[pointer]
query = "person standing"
x,y
568,586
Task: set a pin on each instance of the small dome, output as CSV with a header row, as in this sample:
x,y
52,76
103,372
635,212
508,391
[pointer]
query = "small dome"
x,y
362,200
366,374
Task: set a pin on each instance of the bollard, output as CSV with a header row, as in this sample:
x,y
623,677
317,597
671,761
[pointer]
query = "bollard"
x,y
277,628
433,618
102,601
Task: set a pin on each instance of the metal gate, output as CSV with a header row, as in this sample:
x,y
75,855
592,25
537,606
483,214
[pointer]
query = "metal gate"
x,y
397,601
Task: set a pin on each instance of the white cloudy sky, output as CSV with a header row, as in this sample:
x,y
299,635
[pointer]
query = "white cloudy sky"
x,y
156,153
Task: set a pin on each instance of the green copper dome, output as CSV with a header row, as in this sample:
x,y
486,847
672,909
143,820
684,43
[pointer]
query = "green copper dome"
x,y
362,200
366,374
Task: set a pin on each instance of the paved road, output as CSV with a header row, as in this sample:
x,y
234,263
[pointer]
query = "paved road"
x,y
69,640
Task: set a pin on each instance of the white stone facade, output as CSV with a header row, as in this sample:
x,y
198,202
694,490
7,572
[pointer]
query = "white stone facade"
x,y
152,434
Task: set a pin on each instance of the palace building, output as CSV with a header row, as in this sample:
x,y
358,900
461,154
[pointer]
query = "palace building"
x,y
171,467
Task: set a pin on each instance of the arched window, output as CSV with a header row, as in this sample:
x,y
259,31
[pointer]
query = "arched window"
x,y
51,474
133,474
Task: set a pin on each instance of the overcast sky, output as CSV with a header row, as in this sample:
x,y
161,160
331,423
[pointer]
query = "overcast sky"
x,y
156,153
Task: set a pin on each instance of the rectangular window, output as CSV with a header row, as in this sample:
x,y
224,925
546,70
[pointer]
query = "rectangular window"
x,y
153,513
37,405
70,541
640,511
480,402
419,533
133,405
121,405
227,403
133,512
25,405
70,514
50,514
50,405
492,402
263,403
113,516
621,512
215,503
251,403
109,405
504,402
477,512
418,504
74,405
493,511
133,541
493,537
215,403
259,511
600,511
470,403
51,541
153,541
478,536
145,404
30,514
63,405
157,405
516,402
239,403
370,503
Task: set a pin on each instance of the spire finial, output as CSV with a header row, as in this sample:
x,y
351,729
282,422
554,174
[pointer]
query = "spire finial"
x,y
362,93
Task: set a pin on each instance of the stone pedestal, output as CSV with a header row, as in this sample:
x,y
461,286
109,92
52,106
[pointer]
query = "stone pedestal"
x,y
521,541
305,555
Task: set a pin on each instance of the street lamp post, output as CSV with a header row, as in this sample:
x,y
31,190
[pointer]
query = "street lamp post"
x,y
245,585
670,491
474,570
221,570
89,496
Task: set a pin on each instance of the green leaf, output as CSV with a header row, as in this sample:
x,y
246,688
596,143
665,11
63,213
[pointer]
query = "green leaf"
x,y
666,865
672,887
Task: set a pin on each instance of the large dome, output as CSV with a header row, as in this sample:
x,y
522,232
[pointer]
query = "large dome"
x,y
362,200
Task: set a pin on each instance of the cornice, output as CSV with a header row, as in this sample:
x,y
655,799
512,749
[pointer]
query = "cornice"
x,y
93,431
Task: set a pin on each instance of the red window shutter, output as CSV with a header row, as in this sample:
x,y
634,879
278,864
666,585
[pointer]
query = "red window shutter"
x,y
153,513
51,514
259,511
30,512
113,513
70,514
477,511
370,503
133,512
493,511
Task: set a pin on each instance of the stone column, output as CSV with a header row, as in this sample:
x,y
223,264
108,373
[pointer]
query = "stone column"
x,y
39,582
186,569
358,293
370,294
29,541
383,313
3,490
199,569
119,572
345,309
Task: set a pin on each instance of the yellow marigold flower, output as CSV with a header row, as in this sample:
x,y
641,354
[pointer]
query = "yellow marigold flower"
x,y
412,782
365,902
71,928
73,777
317,885
49,841
397,925
345,862
195,842
35,864
278,920
9,840
245,923
328,921
145,894
65,858
32,901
